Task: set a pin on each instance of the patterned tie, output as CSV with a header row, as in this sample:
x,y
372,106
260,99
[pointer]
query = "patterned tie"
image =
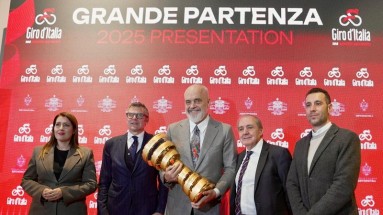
x,y
195,144
239,185
133,147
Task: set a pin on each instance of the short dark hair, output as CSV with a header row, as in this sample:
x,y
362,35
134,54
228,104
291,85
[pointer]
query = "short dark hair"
x,y
320,90
140,105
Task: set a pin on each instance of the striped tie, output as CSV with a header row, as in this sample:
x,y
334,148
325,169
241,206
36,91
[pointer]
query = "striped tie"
x,y
239,185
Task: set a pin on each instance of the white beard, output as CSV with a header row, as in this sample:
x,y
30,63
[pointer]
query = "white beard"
x,y
196,118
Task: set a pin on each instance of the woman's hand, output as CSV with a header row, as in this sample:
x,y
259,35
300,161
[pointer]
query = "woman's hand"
x,y
52,194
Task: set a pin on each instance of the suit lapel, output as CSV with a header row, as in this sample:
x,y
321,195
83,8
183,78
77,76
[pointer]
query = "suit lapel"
x,y
120,150
323,145
261,163
72,159
48,162
184,146
306,146
212,132
241,156
139,161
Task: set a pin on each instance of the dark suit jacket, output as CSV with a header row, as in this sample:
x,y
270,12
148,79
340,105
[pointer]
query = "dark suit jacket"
x,y
128,191
77,180
329,186
216,163
270,193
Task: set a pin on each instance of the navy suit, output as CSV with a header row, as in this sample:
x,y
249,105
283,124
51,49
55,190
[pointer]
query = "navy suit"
x,y
128,190
270,193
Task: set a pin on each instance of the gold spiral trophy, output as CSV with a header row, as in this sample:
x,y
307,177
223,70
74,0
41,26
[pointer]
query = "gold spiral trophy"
x,y
160,153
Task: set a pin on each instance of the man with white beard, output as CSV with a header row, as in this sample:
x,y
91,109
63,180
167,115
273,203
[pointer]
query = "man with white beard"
x,y
208,148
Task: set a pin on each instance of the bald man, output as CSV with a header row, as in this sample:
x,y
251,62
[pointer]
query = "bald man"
x,y
214,158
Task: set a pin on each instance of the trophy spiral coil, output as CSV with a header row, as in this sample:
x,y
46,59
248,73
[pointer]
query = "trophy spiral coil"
x,y
160,153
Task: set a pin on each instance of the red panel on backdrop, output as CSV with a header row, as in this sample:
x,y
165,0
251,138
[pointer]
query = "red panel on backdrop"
x,y
5,101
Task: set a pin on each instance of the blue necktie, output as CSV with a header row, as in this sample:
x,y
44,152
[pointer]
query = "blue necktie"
x,y
239,185
133,147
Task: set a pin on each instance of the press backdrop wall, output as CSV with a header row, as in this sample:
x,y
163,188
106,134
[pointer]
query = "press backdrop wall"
x,y
93,58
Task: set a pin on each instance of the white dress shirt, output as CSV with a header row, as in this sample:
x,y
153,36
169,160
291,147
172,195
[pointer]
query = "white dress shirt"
x,y
140,140
202,126
247,194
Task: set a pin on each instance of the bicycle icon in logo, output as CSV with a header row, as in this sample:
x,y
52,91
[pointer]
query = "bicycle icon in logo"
x,y
368,201
137,70
47,16
165,70
220,71
278,133
350,17
306,132
80,129
306,72
48,130
278,71
334,72
239,143
105,130
162,129
25,129
84,69
362,73
18,191
111,69
249,71
193,70
58,69
31,70
366,135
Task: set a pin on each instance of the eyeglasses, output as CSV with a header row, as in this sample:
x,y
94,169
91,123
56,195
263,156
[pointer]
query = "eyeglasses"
x,y
137,115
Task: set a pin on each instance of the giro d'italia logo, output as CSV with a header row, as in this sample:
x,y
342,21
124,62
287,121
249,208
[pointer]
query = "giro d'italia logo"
x,y
46,31
351,17
350,32
46,17
192,70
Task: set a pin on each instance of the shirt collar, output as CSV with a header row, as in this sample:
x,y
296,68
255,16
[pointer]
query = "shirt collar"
x,y
140,136
258,147
201,126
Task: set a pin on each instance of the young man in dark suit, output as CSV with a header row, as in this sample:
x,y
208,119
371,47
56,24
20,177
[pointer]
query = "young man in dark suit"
x,y
325,167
